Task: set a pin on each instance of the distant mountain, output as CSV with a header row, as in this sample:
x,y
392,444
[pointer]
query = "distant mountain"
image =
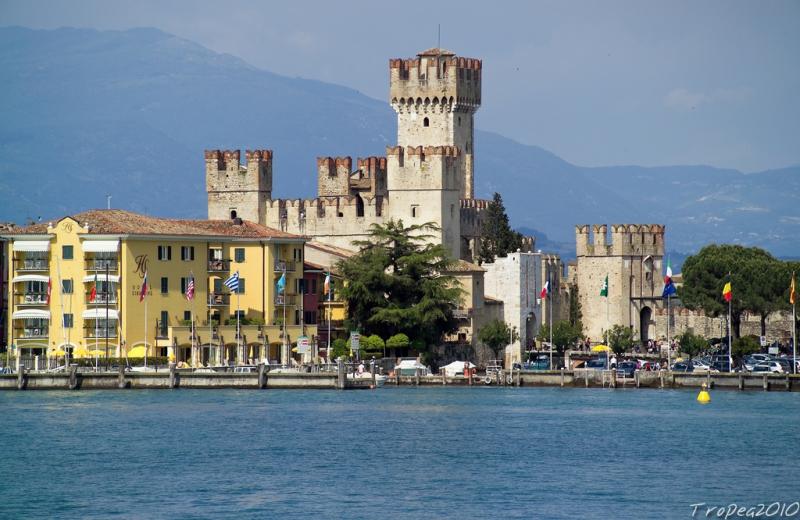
x,y
128,113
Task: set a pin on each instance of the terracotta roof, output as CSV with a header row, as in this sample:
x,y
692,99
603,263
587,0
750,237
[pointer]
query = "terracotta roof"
x,y
466,267
436,51
121,222
310,266
491,301
338,251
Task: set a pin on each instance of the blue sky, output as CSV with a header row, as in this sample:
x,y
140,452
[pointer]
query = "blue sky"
x,y
598,83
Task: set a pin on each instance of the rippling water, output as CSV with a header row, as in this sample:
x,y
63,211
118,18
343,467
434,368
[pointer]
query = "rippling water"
x,y
394,453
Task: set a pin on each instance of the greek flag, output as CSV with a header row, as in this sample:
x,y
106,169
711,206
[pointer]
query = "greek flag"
x,y
232,283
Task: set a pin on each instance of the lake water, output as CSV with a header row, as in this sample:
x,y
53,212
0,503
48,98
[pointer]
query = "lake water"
x,y
394,453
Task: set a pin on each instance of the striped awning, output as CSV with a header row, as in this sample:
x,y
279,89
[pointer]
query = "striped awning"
x,y
101,277
31,313
100,314
30,278
32,246
100,246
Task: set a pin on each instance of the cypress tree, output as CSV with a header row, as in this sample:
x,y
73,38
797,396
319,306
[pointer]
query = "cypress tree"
x,y
497,237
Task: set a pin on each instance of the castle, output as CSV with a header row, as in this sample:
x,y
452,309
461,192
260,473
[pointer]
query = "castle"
x,y
427,177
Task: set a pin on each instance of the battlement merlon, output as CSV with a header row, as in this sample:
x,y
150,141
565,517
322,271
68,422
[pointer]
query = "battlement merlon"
x,y
625,240
437,75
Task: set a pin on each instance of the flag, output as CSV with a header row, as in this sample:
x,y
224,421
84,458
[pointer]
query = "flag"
x,y
143,292
726,292
232,283
545,290
327,286
669,287
190,288
49,289
604,288
93,293
281,283
791,291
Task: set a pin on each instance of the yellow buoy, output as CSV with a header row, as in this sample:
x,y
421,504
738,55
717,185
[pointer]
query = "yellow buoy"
x,y
703,397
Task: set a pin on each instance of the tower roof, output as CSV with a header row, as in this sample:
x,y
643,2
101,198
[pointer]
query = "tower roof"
x,y
436,51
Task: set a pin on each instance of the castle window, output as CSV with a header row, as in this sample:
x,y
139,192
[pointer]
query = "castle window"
x,y
233,214
359,206
426,122
459,120
452,210
414,208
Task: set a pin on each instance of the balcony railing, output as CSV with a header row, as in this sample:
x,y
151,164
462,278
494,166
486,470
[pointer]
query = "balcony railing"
x,y
219,299
335,324
285,299
219,266
284,265
100,264
89,332
462,314
30,299
32,333
102,299
33,264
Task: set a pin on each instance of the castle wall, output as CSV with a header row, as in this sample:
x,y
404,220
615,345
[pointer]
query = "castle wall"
x,y
236,190
633,262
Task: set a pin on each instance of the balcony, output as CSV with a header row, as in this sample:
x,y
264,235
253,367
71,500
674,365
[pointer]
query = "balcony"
x,y
102,299
27,299
284,265
285,299
89,332
32,333
100,264
219,266
462,314
33,264
219,299
335,324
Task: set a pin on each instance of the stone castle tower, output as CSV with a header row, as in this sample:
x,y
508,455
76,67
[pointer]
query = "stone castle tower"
x,y
427,177
633,262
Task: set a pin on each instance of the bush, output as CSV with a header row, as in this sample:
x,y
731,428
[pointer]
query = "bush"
x,y
745,345
398,341
340,348
620,339
692,344
372,346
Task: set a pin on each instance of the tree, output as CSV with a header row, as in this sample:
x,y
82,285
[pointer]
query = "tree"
x,y
565,334
340,348
498,239
398,341
757,279
396,283
495,335
620,339
744,346
692,344
372,346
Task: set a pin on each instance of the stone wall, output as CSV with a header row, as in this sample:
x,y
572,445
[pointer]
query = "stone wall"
x,y
237,191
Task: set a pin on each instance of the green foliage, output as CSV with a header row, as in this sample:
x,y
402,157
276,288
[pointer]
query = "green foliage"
x,y
244,320
396,283
372,346
398,341
620,338
340,348
498,237
744,346
565,334
759,282
692,344
495,335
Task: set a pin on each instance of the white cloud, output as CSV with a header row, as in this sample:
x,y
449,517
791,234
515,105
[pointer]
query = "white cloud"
x,y
682,99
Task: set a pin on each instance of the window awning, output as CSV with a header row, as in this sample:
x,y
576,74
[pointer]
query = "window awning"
x,y
100,313
101,278
30,278
32,246
100,246
31,313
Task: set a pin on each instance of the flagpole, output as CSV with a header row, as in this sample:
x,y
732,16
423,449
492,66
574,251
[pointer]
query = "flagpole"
x,y
144,295
210,326
730,328
283,290
106,323
794,326
328,352
63,328
550,317
669,344
238,328
96,327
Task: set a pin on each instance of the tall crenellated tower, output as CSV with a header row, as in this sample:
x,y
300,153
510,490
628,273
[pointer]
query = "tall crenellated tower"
x,y
235,190
435,96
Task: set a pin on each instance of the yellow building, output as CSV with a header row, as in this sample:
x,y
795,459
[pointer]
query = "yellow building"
x,y
75,287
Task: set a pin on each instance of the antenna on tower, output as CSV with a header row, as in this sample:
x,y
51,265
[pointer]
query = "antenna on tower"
x,y
108,201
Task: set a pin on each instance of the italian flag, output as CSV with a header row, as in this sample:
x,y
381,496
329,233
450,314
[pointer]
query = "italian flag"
x,y
604,288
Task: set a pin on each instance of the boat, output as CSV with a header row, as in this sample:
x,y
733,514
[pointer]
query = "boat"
x,y
380,379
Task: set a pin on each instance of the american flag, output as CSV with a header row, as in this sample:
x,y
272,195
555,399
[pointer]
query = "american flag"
x,y
190,288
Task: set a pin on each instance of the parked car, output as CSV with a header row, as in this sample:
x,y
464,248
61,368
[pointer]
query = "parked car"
x,y
682,366
542,362
769,366
626,369
598,363
699,366
786,364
